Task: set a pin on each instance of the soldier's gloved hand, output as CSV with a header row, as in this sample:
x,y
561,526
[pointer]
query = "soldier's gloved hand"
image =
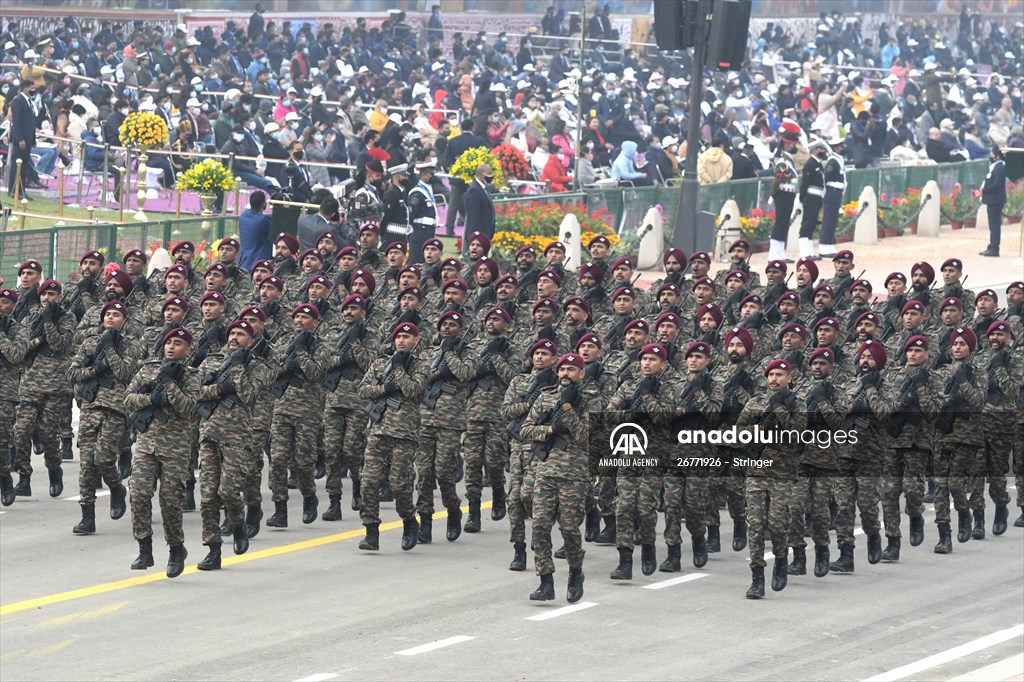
x,y
1000,358
232,271
546,332
271,308
412,315
46,315
569,394
243,355
962,372
400,359
449,343
871,379
141,283
101,365
226,385
358,330
546,377
84,285
647,385
392,387
559,428
497,345
165,373
158,396
775,400
292,364
5,323
484,367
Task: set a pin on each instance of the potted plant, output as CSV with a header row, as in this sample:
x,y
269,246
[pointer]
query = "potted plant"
x,y
512,161
537,225
465,166
144,130
1014,208
206,177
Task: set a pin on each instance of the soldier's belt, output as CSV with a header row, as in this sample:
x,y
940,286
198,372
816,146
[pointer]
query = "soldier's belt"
x,y
425,221
787,187
836,184
816,191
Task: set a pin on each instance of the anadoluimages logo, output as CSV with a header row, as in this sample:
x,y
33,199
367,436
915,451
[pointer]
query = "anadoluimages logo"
x,y
628,440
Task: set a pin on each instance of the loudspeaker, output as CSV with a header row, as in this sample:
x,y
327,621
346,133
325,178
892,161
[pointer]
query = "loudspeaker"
x,y
668,24
727,41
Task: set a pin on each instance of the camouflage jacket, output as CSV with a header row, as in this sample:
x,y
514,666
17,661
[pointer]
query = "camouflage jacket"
x,y
487,387
48,373
961,403
447,376
124,359
13,344
300,402
232,417
401,416
164,435
348,358
785,454
523,391
569,456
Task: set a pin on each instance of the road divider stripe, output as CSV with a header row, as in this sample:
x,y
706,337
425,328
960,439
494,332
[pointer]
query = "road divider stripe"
x,y
675,581
77,498
319,677
565,610
950,655
433,646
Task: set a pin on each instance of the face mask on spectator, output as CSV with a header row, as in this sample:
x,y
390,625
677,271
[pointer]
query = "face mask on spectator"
x,y
286,102
276,134
96,131
237,137
194,111
251,125
318,137
199,87
295,125
123,111
75,58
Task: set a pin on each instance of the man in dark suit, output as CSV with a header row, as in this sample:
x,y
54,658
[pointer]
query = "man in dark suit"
x,y
23,138
254,232
457,145
993,195
312,225
479,205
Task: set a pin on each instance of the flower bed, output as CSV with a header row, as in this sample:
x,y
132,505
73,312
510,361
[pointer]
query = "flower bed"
x,y
537,225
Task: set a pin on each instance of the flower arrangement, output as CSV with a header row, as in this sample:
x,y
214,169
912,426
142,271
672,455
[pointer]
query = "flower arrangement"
x,y
206,177
506,244
757,225
847,218
545,219
512,161
1014,207
144,129
959,205
465,166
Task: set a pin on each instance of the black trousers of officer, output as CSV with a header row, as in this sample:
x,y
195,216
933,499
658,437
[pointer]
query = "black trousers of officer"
x,y
783,215
809,222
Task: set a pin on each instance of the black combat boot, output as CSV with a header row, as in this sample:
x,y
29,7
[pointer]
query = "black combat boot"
x,y
176,560
226,527
37,443
333,512
874,548
425,534
560,552
65,449
87,526
892,550
1001,517
671,562
607,534
357,499
916,530
498,505
963,526
624,571
280,516
410,533
700,550
124,464
1019,522
979,525
454,525
293,480
821,559
714,540
945,544
592,525
648,558
240,535
372,540
739,540
799,565
320,467
780,575
190,497
145,558
756,590
6,490
518,557
210,562
473,522
929,492
574,591
384,493
546,590
253,516
24,487
309,505
56,481
844,564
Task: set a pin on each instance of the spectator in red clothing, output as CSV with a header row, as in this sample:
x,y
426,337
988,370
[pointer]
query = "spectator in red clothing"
x,y
555,170
496,129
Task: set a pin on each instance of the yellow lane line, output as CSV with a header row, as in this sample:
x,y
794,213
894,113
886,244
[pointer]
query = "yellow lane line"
x,y
38,602
83,615
36,653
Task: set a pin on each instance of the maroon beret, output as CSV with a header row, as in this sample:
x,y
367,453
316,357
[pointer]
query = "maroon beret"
x,y
274,281
405,328
951,301
828,322
741,275
435,242
826,288
369,226
861,283
701,256
668,286
176,269
397,246
638,323
93,255
414,291
826,353
230,241
316,253
952,263
552,275
263,265
752,298
797,329
243,325
778,363
216,267
213,296
577,301
116,305
451,263
253,311
327,234
548,303
999,326
624,260
790,296
176,301
987,292
554,245
668,317
599,239
869,316
30,264
454,316
845,254
570,359
917,341
543,344
184,245
507,279
178,333
135,253
912,305
347,251
500,312
457,283
740,243
50,285
706,281
525,249
354,299
10,294
698,347
590,337
897,276
306,309
653,349
624,291
776,264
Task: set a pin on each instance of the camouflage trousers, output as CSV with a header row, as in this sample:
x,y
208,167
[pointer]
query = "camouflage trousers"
x,y
400,455
193,458
562,500
606,495
170,469
223,468
732,480
100,434
290,438
812,491
251,492
344,438
687,497
636,502
995,458
902,470
42,414
955,466
64,429
436,463
486,445
7,412
857,487
1018,458
767,501
520,497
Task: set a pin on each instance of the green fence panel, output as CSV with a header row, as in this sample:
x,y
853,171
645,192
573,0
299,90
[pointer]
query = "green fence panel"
x,y
892,182
857,180
18,247
918,176
72,242
948,175
972,174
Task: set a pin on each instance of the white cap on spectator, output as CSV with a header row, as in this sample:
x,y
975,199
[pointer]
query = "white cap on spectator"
x,y
396,118
914,73
575,73
911,42
9,45
271,128
192,102
30,54
854,74
668,141
292,116
969,62
291,89
677,82
970,82
530,68
147,106
346,71
655,76
978,97
946,123
436,66
653,85
929,66
364,69
196,80
182,27
963,71
193,41
106,70
1008,55
940,45
522,85
69,69
420,89
499,87
317,91
233,93
390,66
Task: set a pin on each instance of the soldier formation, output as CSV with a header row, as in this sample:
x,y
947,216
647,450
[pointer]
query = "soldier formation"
x,y
345,362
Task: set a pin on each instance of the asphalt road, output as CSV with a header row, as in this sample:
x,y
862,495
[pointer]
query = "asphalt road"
x,y
306,604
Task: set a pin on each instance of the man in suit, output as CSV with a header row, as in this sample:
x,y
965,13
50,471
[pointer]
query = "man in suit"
x,y
254,231
479,205
23,138
311,226
457,145
993,195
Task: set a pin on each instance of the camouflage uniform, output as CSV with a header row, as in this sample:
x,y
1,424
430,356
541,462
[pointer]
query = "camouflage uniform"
x,y
1004,378
825,404
392,441
958,453
739,382
262,419
158,452
858,481
486,442
13,344
101,425
560,489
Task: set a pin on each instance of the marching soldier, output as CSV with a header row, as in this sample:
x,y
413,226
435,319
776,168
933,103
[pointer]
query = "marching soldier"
x,y
13,345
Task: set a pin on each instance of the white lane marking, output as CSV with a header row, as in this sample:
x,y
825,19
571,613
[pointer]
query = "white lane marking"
x,y
949,655
1000,670
319,677
99,493
431,646
563,611
675,581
